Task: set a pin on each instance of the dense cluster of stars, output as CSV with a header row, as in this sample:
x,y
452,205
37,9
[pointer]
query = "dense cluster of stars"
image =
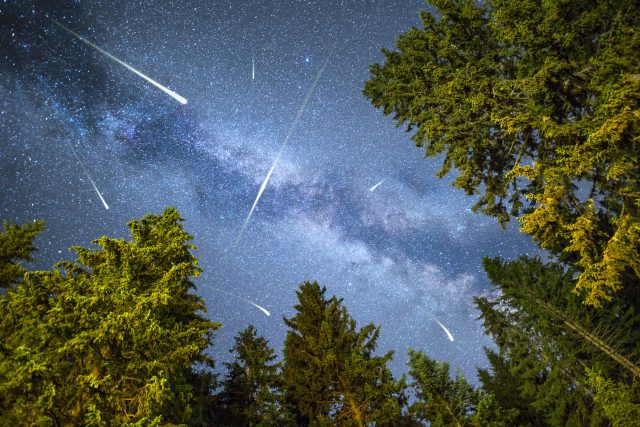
x,y
400,255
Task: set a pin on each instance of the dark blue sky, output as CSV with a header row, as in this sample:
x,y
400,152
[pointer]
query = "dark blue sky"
x,y
407,252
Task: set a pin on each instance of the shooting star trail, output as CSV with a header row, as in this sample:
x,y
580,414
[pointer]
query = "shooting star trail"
x,y
165,89
106,206
281,150
253,69
444,328
104,203
264,310
377,185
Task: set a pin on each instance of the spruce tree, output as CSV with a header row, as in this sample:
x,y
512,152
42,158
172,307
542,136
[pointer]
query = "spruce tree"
x,y
111,339
500,382
443,401
536,106
619,401
305,388
330,374
548,342
250,394
16,246
440,400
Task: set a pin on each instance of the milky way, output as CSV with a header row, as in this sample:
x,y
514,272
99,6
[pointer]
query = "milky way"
x,y
398,255
292,128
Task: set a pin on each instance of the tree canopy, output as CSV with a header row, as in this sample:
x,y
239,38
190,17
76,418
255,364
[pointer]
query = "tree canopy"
x,y
16,246
113,338
117,337
445,401
558,362
330,374
251,390
536,105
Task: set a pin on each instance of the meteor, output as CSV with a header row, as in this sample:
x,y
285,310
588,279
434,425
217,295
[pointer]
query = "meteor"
x,y
166,90
104,203
444,328
253,69
264,310
292,127
377,185
106,206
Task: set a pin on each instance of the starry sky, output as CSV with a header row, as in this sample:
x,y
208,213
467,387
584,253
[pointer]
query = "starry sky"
x,y
71,118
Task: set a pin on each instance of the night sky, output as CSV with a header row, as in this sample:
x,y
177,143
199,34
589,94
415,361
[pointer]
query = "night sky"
x,y
400,255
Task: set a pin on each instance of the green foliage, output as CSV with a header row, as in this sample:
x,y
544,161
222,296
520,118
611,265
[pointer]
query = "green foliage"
x,y
111,339
440,400
619,401
250,395
118,337
330,374
443,401
547,340
490,412
303,381
535,104
506,388
16,244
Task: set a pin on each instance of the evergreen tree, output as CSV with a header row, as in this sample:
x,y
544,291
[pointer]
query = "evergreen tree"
x,y
16,246
250,394
440,400
330,374
443,401
549,341
507,389
305,388
112,339
536,105
620,402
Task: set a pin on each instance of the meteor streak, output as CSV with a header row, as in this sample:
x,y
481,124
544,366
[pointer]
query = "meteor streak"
x,y
264,310
444,328
166,90
253,69
296,119
106,206
377,185
104,203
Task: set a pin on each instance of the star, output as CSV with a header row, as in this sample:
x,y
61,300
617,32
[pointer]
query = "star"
x,y
409,250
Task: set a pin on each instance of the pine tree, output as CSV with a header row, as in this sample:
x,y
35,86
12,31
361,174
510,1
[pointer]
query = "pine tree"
x,y
111,339
250,395
330,374
536,105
